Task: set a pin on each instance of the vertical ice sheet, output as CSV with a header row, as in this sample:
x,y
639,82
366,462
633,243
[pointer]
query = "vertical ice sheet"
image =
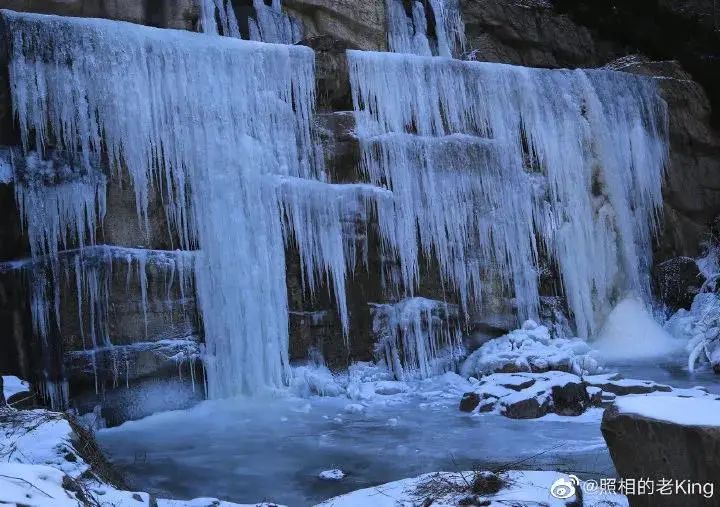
x,y
575,157
217,157
417,337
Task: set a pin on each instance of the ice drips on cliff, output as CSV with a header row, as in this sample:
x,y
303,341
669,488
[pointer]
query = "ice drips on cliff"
x,y
270,24
236,164
485,158
409,33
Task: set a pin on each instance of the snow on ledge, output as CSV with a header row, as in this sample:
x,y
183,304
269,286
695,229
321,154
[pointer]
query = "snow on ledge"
x,y
673,409
13,385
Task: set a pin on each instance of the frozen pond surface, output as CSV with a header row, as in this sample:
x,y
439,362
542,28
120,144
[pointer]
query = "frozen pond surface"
x,y
273,449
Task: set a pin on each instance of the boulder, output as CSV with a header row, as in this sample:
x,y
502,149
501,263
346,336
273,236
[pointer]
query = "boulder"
x,y
570,398
469,402
668,438
616,384
527,408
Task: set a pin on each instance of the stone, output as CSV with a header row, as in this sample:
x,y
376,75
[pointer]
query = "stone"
x,y
361,24
570,399
469,402
623,387
645,448
528,408
676,282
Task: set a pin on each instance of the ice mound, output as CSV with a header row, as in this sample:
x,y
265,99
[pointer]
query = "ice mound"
x,y
530,349
630,332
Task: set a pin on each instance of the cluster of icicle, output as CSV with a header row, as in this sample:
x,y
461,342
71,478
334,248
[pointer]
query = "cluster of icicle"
x,y
270,24
416,338
223,127
409,33
485,158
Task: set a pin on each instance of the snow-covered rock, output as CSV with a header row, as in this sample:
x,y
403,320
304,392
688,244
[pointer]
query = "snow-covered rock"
x,y
530,349
528,395
14,389
532,395
445,489
661,438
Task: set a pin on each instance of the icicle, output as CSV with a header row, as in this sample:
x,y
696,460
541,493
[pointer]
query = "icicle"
x,y
271,24
482,156
409,34
416,337
249,117
321,221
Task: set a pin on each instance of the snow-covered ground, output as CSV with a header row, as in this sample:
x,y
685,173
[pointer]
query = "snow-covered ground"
x,y
462,488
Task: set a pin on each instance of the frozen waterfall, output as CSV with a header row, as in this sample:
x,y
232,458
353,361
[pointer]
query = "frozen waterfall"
x,y
409,33
485,158
417,337
222,128
270,24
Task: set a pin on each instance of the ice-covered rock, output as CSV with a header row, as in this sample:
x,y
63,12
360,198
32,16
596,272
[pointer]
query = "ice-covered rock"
x,y
530,349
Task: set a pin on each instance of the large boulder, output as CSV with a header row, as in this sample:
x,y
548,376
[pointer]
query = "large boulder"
x,y
666,439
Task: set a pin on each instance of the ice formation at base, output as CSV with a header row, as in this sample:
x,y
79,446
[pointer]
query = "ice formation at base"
x,y
409,33
237,167
485,158
417,337
270,24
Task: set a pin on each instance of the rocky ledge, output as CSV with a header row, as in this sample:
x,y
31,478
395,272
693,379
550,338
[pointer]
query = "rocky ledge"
x,y
533,395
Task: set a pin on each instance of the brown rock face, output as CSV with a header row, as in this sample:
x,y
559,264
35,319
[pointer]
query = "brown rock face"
x,y
181,14
692,186
644,448
529,33
361,24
